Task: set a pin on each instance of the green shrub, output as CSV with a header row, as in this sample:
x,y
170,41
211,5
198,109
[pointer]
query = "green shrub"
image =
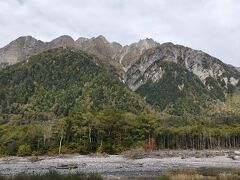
x,y
24,150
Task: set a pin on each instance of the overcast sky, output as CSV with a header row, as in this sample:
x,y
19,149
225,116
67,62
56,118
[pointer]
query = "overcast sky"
x,y
209,25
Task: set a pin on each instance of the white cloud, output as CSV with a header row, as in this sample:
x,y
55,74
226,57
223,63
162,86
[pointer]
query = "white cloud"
x,y
210,25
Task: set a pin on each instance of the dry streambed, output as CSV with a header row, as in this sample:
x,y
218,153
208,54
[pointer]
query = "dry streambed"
x,y
130,164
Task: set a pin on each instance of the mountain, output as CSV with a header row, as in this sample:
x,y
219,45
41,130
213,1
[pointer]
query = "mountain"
x,y
199,63
19,50
131,53
27,46
174,75
123,55
99,46
92,95
60,82
170,77
24,47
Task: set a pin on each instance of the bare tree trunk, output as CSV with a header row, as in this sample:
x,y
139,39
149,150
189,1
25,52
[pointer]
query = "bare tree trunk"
x,y
149,140
38,144
90,134
60,144
44,140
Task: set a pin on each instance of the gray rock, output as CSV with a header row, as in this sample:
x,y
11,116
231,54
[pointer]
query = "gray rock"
x,y
26,46
199,63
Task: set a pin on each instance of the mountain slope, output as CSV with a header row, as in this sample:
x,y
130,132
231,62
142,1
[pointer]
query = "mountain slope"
x,y
231,105
174,75
26,46
60,82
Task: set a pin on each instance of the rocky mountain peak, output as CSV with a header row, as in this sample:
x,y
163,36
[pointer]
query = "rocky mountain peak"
x,y
81,40
62,41
19,49
146,43
124,55
24,41
98,46
130,53
102,39
24,47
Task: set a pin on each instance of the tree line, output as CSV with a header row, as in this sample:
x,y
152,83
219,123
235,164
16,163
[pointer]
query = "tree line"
x,y
113,131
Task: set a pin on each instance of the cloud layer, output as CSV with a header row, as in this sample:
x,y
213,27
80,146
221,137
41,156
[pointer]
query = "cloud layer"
x,y
210,25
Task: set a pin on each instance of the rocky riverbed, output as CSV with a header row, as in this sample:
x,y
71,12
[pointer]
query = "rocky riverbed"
x,y
150,165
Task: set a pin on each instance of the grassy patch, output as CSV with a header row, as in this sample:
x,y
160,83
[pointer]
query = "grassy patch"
x,y
53,175
207,174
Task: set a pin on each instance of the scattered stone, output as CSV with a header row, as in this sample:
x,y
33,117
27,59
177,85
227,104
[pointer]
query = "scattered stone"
x,y
67,166
98,155
119,166
35,159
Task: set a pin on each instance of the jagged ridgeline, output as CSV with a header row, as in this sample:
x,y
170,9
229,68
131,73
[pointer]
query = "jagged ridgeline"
x,y
61,82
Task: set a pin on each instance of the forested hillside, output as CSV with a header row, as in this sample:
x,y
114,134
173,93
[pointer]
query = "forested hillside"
x,y
59,83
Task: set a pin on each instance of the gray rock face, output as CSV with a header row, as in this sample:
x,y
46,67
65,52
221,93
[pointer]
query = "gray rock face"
x,y
197,62
124,55
131,53
99,46
62,41
24,47
19,50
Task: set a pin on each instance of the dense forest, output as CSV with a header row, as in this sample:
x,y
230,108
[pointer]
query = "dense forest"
x,y
64,101
113,131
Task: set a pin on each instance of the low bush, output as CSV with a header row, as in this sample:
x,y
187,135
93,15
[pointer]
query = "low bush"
x,y
24,150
